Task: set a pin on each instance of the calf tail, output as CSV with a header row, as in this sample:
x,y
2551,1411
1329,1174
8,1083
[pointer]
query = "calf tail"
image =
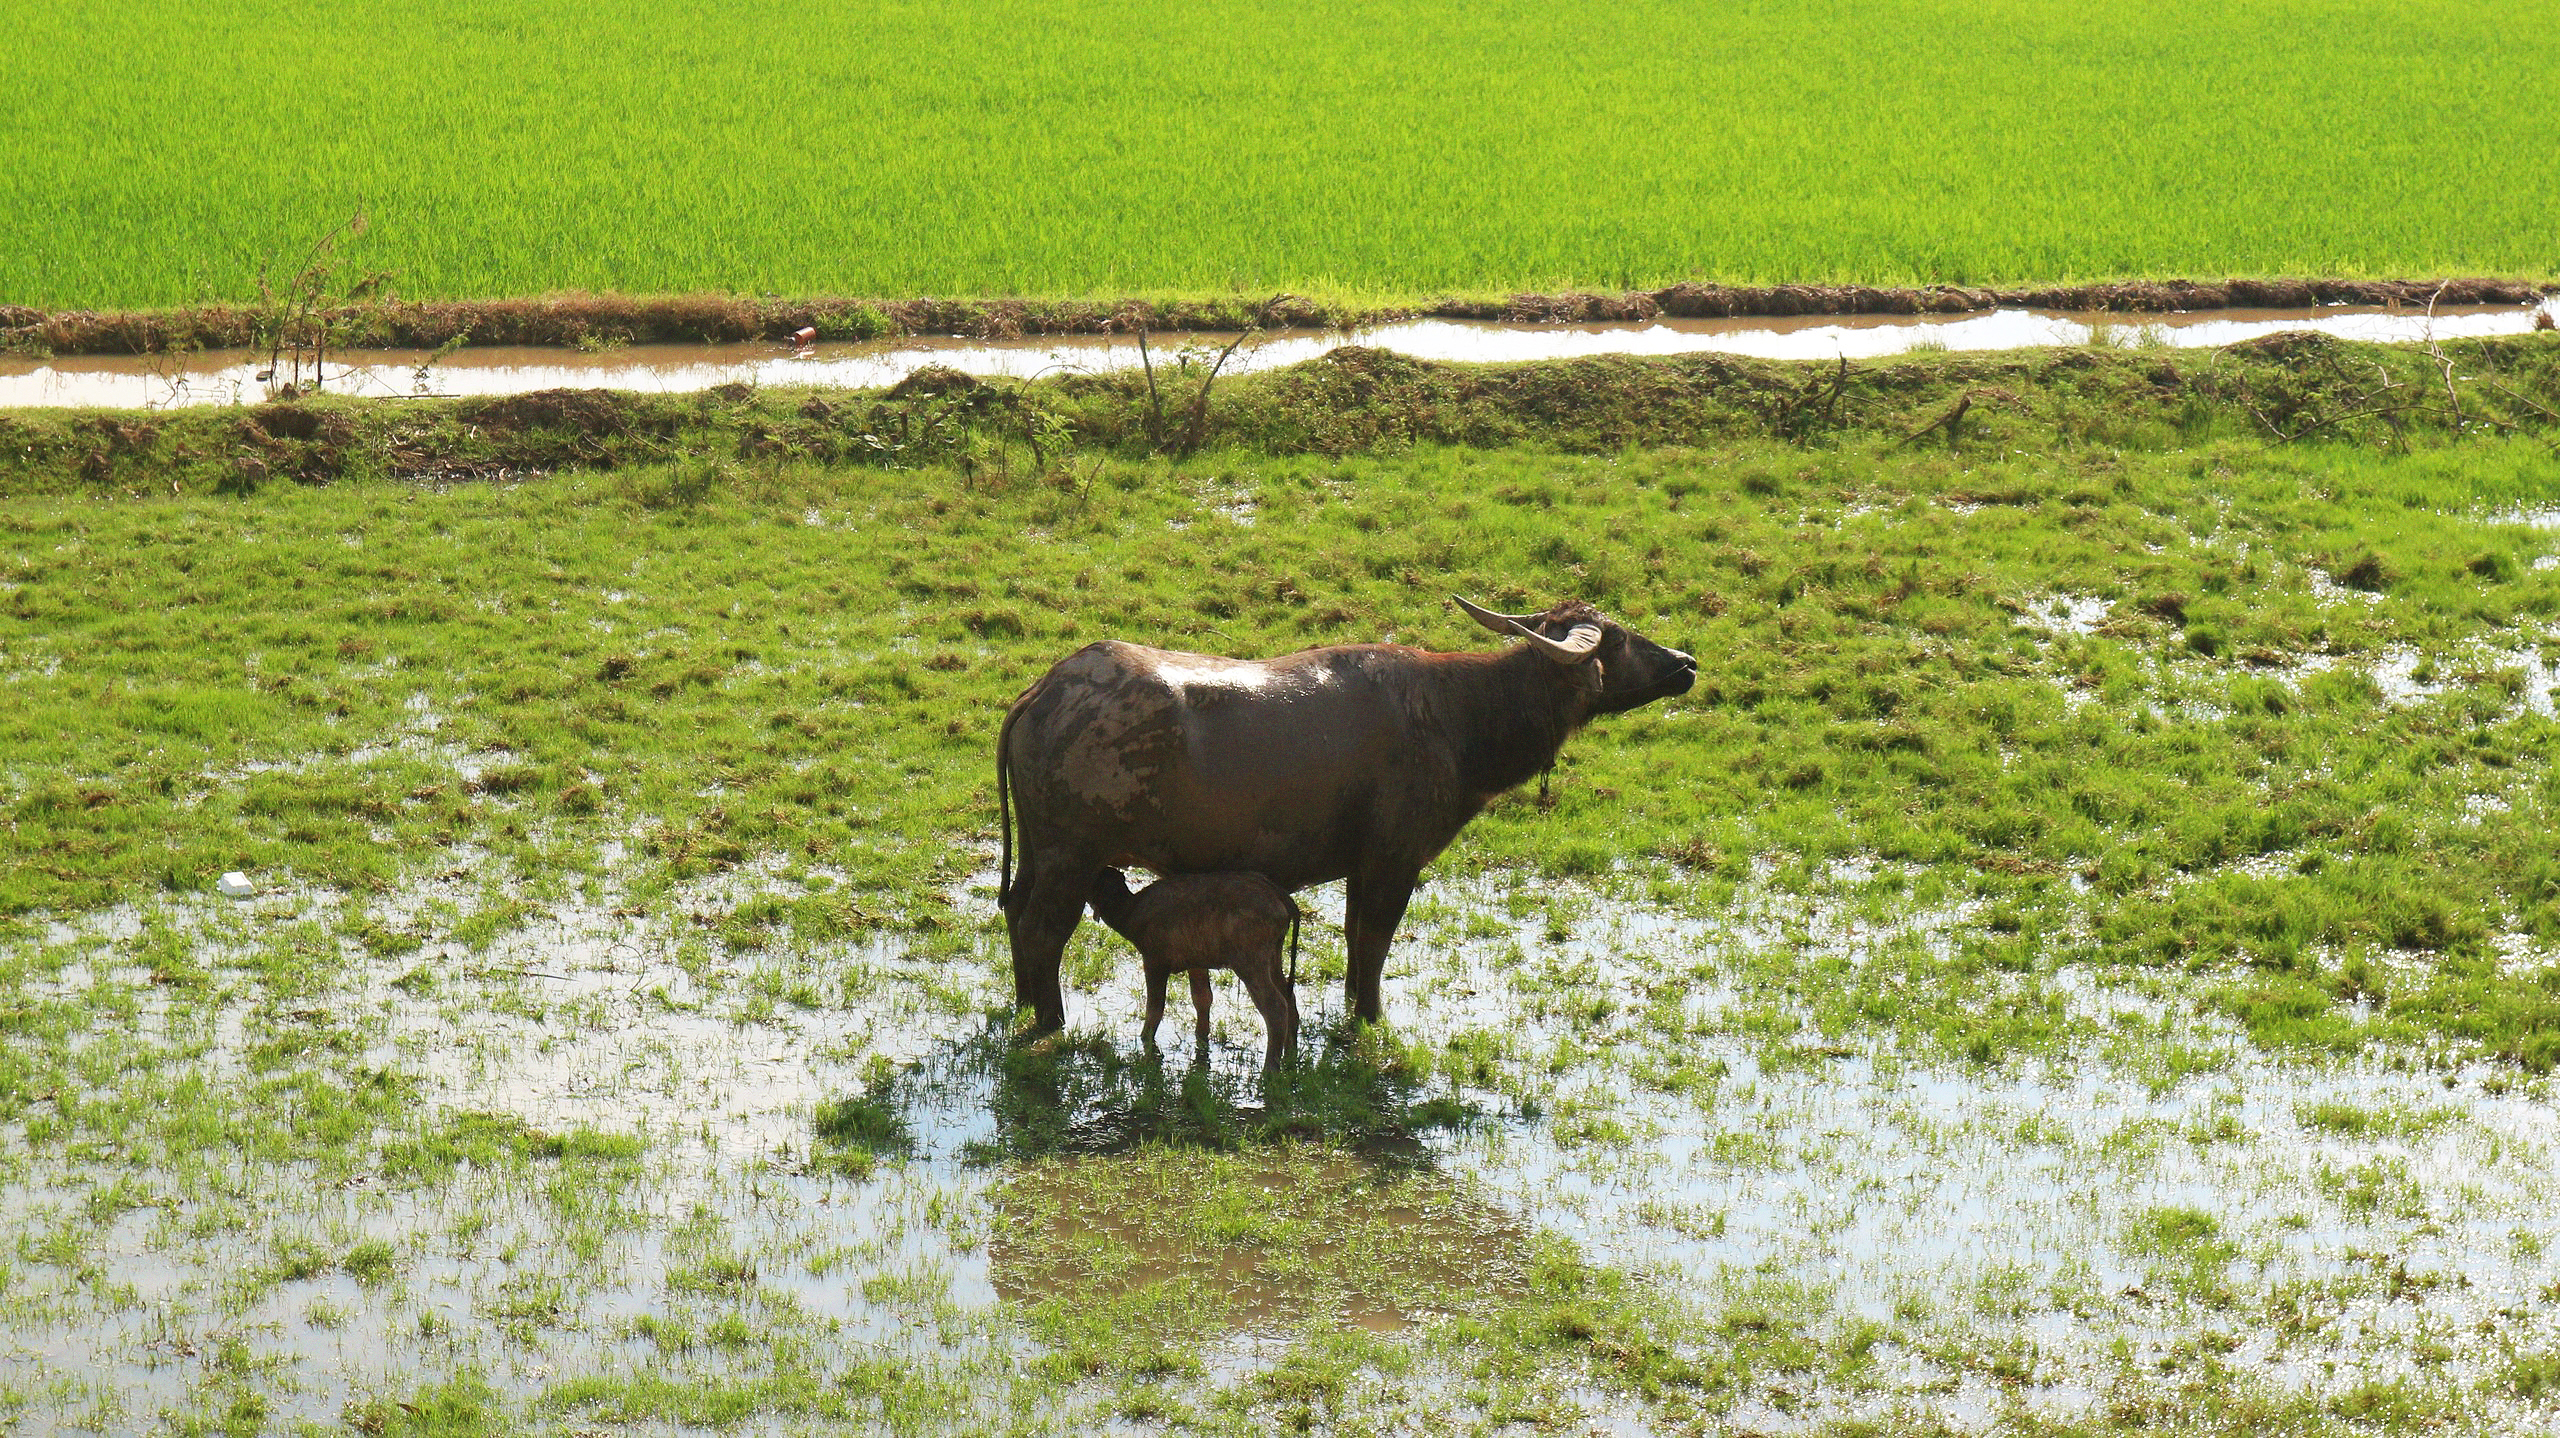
x,y
1294,916
1004,812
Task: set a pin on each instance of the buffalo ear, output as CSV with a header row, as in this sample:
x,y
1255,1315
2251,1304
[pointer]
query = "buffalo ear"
x,y
1574,648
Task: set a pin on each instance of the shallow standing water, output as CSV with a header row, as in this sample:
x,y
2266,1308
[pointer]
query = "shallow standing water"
x,y
1685,1127
230,377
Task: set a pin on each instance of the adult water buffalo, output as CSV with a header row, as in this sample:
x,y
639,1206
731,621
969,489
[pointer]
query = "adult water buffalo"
x,y
1357,762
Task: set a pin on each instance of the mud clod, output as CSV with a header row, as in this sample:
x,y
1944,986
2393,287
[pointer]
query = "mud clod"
x,y
286,421
935,380
580,411
2289,347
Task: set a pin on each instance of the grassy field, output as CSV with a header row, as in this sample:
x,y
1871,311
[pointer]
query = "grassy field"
x,y
1067,147
2080,961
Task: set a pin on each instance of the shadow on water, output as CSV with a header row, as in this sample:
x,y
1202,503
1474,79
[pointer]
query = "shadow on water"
x,y
987,1098
1133,1204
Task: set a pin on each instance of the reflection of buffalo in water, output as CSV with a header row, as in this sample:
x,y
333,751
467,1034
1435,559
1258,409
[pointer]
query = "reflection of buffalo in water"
x,y
983,1098
1359,762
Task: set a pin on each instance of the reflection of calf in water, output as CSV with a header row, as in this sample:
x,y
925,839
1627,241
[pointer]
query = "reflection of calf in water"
x,y
1197,922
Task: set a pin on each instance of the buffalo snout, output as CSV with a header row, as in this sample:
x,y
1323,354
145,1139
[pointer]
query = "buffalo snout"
x,y
1647,671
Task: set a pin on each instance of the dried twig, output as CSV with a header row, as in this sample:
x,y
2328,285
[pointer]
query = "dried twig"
x,y
1952,421
1794,421
1155,400
2444,362
1196,427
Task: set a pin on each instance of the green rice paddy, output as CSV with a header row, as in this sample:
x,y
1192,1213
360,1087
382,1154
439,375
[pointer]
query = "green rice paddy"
x,y
155,153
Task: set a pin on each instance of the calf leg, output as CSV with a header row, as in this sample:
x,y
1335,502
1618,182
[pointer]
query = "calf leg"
x,y
1156,975
1200,1008
1278,1003
1040,919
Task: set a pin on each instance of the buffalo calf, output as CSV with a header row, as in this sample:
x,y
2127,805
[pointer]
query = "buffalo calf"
x,y
1197,922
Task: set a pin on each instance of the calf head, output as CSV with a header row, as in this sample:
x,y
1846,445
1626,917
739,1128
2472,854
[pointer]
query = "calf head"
x,y
1111,898
1622,669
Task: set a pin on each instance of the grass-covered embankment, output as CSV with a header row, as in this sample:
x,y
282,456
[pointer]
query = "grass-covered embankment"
x,y
1355,152
2094,794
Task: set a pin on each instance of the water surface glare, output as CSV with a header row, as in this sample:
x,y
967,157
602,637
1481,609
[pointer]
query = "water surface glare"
x,y
230,376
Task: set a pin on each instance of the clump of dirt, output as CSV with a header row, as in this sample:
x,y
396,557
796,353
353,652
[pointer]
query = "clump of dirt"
x,y
1572,308
307,444
286,421
1729,302
2288,347
2161,296
2369,572
579,411
935,380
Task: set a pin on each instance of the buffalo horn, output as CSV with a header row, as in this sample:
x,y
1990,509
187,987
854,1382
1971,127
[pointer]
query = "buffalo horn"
x,y
1572,649
1498,623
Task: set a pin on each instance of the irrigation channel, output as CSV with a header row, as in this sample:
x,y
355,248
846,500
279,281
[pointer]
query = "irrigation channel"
x,y
217,377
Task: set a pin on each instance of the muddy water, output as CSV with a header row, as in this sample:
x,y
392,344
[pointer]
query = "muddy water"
x,y
230,377
1819,1181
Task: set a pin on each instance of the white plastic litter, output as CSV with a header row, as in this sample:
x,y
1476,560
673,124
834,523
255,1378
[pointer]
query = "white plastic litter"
x,y
236,885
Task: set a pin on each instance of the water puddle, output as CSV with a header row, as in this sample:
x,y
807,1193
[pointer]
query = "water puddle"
x,y
631,1139
231,377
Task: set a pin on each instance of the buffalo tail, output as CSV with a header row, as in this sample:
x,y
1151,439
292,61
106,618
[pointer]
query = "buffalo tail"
x,y
1004,813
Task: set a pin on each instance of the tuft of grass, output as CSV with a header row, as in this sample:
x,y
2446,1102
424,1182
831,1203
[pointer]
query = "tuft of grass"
x,y
2347,1120
862,1122
371,1262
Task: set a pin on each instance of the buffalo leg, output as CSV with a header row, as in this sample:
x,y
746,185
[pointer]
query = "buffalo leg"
x,y
1013,905
1371,910
1200,1009
1041,919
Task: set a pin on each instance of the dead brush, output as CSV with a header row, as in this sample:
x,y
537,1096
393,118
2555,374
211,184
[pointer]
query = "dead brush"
x,y
294,323
1195,415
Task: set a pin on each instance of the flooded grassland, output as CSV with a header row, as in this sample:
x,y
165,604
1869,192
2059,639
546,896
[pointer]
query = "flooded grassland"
x,y
2081,959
